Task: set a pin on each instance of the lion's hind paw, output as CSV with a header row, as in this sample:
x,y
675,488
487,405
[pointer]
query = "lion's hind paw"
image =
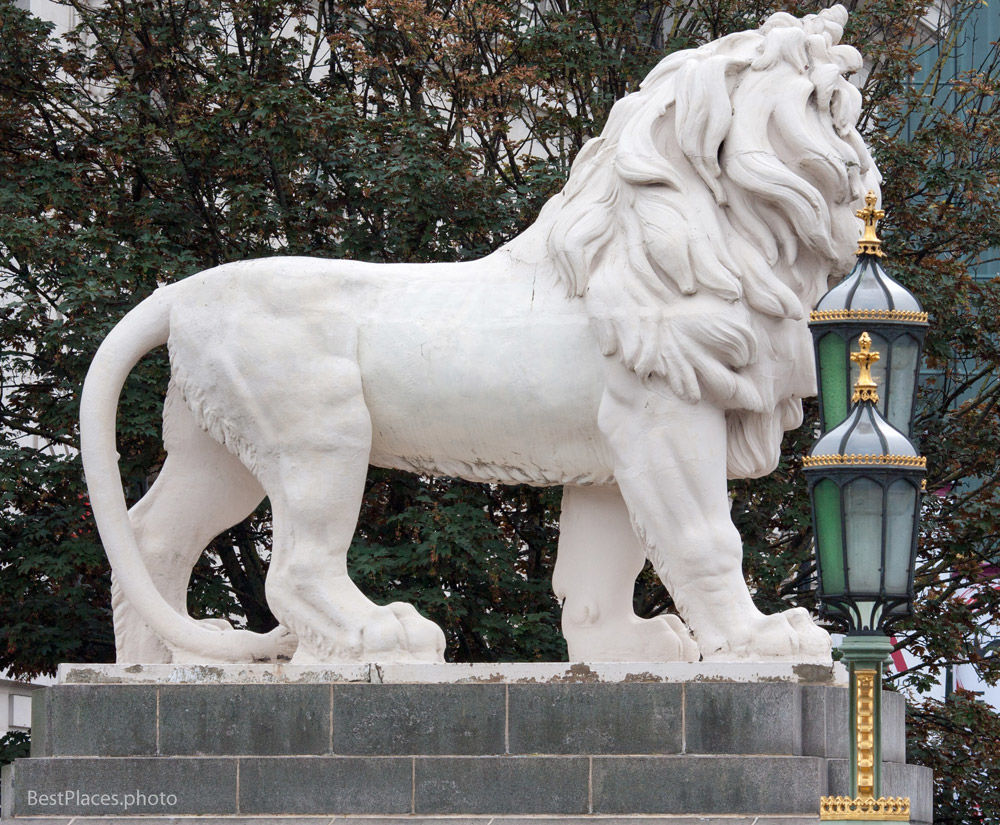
x,y
391,634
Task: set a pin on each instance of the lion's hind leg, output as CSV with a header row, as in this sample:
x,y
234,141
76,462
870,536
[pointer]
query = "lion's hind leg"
x,y
598,559
315,478
201,491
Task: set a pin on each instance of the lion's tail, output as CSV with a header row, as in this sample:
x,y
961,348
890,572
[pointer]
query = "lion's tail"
x,y
145,327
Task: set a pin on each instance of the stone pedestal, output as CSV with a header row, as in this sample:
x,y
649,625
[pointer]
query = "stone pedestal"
x,y
262,743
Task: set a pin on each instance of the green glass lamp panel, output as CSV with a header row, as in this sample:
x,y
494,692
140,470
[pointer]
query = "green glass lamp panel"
x,y
901,504
902,375
881,346
830,538
863,517
833,379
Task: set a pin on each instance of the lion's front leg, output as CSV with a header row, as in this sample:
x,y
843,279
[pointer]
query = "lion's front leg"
x,y
670,463
597,563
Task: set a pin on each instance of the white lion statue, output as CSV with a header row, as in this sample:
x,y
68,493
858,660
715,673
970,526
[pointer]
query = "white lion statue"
x,y
644,340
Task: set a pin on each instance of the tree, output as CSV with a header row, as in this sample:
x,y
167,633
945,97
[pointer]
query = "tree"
x,y
166,136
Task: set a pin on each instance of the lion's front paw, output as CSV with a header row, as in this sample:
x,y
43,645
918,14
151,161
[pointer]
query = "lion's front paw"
x,y
791,636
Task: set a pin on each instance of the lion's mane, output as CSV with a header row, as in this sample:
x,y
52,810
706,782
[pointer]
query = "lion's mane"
x,y
699,221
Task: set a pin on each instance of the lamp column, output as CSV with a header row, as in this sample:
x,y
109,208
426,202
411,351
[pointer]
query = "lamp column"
x,y
864,657
865,479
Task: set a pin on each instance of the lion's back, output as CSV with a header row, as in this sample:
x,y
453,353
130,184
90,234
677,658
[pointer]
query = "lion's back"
x,y
464,369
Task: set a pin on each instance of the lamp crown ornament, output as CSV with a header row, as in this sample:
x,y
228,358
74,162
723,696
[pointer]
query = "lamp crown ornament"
x,y
869,300
865,388
864,438
870,243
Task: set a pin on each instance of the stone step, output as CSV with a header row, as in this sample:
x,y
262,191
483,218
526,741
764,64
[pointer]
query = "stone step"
x,y
451,720
433,786
646,748
594,819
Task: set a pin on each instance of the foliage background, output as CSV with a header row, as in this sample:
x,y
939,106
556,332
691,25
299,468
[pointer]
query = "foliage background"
x,y
162,137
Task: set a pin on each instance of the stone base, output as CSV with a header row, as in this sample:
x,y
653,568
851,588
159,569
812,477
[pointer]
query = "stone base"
x,y
421,820
451,673
504,745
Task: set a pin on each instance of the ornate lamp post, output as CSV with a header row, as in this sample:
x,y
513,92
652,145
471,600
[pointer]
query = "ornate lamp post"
x,y
865,480
868,300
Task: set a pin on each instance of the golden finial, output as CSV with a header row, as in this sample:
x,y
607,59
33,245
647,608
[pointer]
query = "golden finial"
x,y
865,389
870,243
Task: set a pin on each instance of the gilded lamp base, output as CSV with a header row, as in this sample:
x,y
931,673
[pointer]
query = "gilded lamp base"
x,y
847,809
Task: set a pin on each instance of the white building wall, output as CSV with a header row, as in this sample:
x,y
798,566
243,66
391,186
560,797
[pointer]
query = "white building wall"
x,y
15,702
62,17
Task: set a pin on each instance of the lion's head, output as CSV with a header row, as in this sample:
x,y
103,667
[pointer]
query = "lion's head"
x,y
704,222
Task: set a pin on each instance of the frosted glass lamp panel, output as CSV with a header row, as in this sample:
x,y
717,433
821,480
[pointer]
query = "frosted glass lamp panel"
x,y
902,374
900,505
870,614
863,517
881,346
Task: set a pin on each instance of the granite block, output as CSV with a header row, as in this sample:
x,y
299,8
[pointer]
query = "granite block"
x,y
187,820
95,720
62,820
814,720
6,791
422,820
250,720
825,723
380,820
837,723
914,781
595,718
653,820
708,785
501,785
893,727
326,785
40,745
418,719
123,786
784,820
743,719
660,819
